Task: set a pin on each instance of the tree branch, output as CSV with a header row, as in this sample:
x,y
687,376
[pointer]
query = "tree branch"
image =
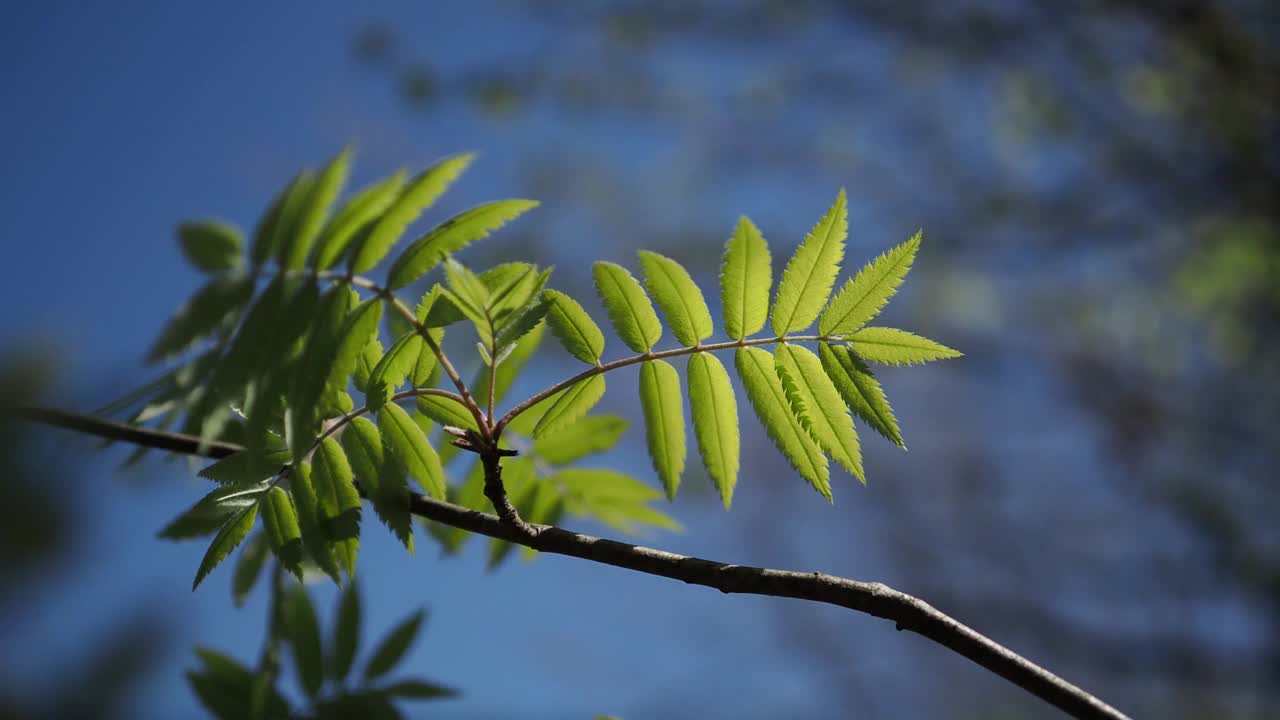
x,y
872,598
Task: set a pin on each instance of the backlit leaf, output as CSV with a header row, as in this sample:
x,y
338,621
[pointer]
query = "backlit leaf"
x,y
451,236
289,220
890,346
409,445
381,476
573,404
860,390
358,213
304,638
715,421
863,296
314,366
339,503
214,510
207,311
314,210
807,280
746,276
678,296
664,421
420,194
589,435
628,306
615,499
394,366
234,531
817,404
311,519
446,412
266,235
577,332
769,400
280,520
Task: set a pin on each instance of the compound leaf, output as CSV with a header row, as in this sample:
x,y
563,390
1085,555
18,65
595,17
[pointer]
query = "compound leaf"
x,y
339,503
280,520
358,214
420,194
453,235
890,346
314,210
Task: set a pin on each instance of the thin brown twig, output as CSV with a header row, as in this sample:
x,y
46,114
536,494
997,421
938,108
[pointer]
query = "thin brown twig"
x,y
873,598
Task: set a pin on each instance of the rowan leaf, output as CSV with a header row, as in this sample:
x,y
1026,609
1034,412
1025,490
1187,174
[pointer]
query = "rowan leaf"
x,y
311,520
339,503
746,276
316,361
577,332
890,346
517,357
291,213
233,531
381,476
664,421
265,234
615,499
678,296
860,390
392,369
211,245
628,306
207,311
446,412
394,646
453,235
346,633
715,421
575,402
810,273
304,638
409,445
214,510
358,214
817,404
589,435
769,400
420,194
249,567
280,520
314,210
864,295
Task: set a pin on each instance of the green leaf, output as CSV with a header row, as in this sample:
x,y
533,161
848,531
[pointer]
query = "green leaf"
x,y
446,412
311,519
628,306
236,469
451,236
818,405
769,400
863,296
617,500
592,434
421,193
289,220
235,530
249,567
314,210
577,332
678,296
715,421
382,477
314,367
265,235
210,245
392,369
807,280
414,689
890,346
369,358
357,215
393,647
519,324
339,503
409,445
213,511
576,401
860,390
746,276
664,421
225,688
335,360
510,368
207,311
304,638
280,520
346,633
